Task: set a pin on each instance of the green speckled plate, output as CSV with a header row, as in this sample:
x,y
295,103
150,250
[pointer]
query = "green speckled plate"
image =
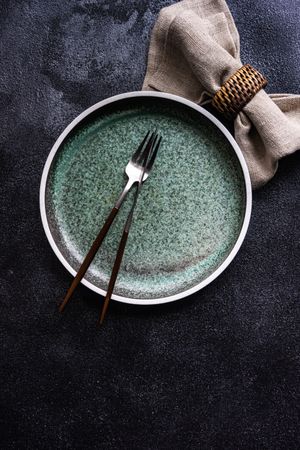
x,y
193,211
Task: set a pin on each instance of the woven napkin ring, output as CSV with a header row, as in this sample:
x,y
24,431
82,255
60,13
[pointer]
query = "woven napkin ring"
x,y
238,90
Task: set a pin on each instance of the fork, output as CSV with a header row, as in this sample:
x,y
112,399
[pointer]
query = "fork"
x,y
120,252
137,171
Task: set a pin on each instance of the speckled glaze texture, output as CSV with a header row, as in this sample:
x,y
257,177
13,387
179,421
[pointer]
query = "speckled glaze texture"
x,y
189,213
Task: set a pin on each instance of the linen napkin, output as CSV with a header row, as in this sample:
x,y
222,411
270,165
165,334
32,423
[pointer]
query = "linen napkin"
x,y
194,49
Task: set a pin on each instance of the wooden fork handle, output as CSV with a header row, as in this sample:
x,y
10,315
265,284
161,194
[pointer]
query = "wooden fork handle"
x,y
90,256
114,274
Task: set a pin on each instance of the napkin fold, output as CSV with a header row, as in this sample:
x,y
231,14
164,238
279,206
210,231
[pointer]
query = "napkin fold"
x,y
194,49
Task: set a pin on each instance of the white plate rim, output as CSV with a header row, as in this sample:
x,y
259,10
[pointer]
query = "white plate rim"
x,y
248,193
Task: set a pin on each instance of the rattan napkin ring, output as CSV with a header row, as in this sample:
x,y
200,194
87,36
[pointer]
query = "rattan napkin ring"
x,y
238,90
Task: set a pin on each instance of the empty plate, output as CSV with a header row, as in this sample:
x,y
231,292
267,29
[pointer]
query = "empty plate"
x,y
193,211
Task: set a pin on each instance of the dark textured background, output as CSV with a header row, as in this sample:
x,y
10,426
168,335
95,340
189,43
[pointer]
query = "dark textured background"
x,y
219,370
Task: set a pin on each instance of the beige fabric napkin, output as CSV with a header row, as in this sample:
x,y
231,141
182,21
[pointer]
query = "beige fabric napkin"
x,y
194,48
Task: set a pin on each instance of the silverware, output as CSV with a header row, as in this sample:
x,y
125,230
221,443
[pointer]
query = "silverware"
x,y
137,170
147,168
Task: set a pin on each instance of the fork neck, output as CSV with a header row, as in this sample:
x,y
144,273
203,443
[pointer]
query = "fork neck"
x,y
125,191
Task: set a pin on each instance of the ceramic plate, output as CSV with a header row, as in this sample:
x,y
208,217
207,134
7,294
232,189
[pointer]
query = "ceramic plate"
x,y
193,211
